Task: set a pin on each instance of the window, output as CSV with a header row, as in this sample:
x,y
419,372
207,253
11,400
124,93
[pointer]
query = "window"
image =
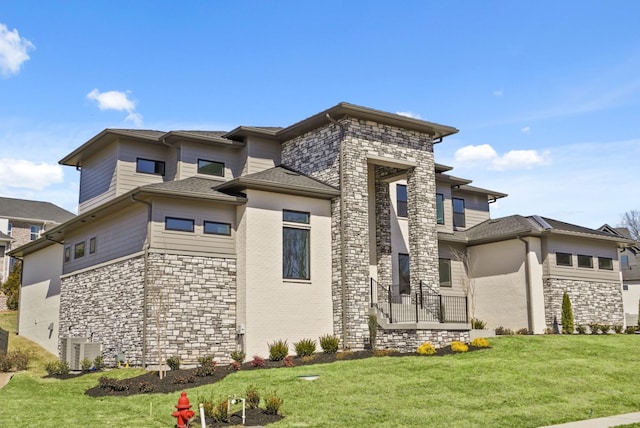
x,y
585,261
401,199
78,251
147,166
92,245
445,272
67,254
624,262
625,287
2,250
564,259
440,208
605,263
295,216
179,224
403,274
295,246
210,167
458,212
216,228
35,232
9,227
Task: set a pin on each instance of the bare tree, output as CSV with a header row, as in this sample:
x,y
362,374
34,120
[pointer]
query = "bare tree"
x,y
631,220
468,285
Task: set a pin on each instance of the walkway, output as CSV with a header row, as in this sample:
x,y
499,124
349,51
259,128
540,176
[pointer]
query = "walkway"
x,y
610,421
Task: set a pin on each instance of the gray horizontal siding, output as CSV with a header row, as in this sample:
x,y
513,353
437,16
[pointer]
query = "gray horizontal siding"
x,y
98,179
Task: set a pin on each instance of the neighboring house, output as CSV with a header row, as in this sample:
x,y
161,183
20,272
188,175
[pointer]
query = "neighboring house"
x,y
630,269
209,242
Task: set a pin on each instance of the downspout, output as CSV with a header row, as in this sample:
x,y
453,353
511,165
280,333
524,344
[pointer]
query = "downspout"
x,y
527,282
343,245
145,279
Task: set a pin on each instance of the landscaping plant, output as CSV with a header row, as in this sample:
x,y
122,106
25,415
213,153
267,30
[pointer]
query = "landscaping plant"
x,y
273,403
252,397
457,346
305,347
329,343
174,362
373,330
426,349
480,342
278,350
567,314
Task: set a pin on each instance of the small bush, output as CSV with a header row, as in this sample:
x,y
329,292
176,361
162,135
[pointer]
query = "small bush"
x,y
457,346
112,384
257,361
238,356
252,397
146,387
384,352
86,364
344,354
278,350
5,363
220,412
523,331
549,330
305,347
604,328
288,361
426,349
273,403
308,358
631,329
594,327
329,344
57,368
174,362
480,342
581,329
20,359
477,324
502,331
617,328
206,367
235,366
184,379
98,363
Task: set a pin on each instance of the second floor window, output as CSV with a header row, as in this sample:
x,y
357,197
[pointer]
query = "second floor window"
x,y
78,250
440,208
404,276
605,263
444,270
563,259
179,224
585,261
35,232
210,167
458,212
401,200
9,227
148,166
624,262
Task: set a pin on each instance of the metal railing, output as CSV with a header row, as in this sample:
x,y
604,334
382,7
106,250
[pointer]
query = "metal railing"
x,y
423,305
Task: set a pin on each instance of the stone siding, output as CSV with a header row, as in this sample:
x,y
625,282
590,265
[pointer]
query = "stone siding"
x,y
409,340
591,301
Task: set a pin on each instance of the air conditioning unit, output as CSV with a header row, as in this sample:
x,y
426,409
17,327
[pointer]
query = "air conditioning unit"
x,y
67,347
88,350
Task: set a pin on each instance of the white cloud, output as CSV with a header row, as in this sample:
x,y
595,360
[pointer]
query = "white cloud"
x,y
498,93
409,114
13,51
510,160
24,174
116,100
526,129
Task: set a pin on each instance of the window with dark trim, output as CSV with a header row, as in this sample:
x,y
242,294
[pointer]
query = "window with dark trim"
x,y
78,250
210,167
148,166
67,254
401,200
295,216
458,212
585,261
444,268
440,208
179,224
605,263
564,259
295,245
217,228
92,245
404,275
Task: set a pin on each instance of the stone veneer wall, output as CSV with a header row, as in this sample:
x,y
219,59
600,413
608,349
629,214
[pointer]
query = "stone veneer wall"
x,y
409,340
599,302
317,154
199,294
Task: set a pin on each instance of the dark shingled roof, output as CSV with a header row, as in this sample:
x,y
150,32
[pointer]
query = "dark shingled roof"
x,y
281,179
33,210
138,133
568,227
192,186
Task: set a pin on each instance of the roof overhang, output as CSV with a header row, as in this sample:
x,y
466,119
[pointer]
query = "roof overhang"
x,y
242,183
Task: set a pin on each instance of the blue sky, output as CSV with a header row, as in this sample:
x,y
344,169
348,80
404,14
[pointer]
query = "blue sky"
x,y
546,94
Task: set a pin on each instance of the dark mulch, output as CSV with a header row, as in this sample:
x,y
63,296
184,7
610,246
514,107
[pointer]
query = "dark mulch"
x,y
253,417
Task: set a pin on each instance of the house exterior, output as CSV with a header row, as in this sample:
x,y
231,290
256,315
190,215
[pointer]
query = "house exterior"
x,y
203,243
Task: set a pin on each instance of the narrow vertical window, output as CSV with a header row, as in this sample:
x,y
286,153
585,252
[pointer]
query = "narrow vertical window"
x,y
92,245
404,274
78,250
440,208
445,272
67,254
624,262
295,245
401,200
458,212
35,232
9,227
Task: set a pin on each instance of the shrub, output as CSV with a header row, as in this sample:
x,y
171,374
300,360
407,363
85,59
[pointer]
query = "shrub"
x,y
581,329
86,364
146,387
631,329
373,330
617,328
305,347
344,354
238,356
549,330
20,359
457,346
112,384
235,366
5,363
523,331
604,328
11,287
501,331
383,352
174,362
288,361
477,324
594,327
567,314
308,358
257,361
329,344
426,349
220,412
273,403
183,379
57,368
252,397
98,362
480,342
206,367
278,350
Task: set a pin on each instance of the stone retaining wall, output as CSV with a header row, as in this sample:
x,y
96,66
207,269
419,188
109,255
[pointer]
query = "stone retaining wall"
x,y
409,340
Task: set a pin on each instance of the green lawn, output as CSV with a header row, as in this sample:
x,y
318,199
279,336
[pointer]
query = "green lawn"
x,y
523,381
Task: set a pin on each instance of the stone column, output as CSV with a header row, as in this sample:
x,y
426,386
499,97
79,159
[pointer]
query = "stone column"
x,y
383,233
